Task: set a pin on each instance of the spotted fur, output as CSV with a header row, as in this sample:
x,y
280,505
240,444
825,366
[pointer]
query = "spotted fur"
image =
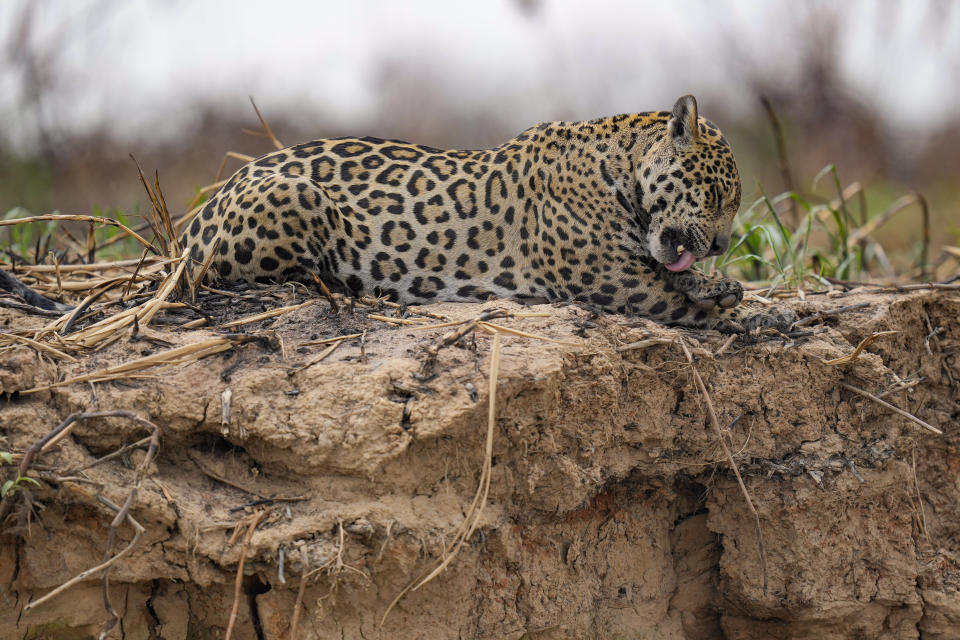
x,y
586,211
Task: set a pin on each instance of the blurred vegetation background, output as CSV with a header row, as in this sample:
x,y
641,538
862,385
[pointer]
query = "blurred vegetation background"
x,y
867,88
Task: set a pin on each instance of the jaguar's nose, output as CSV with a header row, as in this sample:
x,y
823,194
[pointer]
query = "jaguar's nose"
x,y
672,238
720,244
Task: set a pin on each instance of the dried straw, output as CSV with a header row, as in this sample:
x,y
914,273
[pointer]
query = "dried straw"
x,y
106,329
497,329
39,346
178,355
847,359
400,321
272,313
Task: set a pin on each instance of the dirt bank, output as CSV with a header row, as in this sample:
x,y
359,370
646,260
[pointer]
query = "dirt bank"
x,y
612,512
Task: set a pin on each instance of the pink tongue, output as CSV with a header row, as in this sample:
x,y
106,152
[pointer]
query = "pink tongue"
x,y
686,259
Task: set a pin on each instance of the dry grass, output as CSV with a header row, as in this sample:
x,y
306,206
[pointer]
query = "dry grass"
x,y
847,359
178,355
272,313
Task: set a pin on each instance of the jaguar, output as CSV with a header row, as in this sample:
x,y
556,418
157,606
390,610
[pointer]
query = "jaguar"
x,y
612,212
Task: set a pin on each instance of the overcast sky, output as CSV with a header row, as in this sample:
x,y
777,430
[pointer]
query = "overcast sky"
x,y
144,66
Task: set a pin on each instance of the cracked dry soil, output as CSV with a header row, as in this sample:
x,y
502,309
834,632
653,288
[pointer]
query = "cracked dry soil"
x,y
612,511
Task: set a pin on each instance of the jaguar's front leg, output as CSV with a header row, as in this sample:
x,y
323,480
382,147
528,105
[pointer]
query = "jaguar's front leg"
x,y
694,299
705,291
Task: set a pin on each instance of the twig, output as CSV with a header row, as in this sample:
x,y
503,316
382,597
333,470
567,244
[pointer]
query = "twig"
x,y
29,308
281,560
947,285
89,572
105,331
158,225
311,343
374,302
230,294
165,217
206,265
452,337
91,244
916,484
847,359
733,464
884,403
326,293
38,346
251,524
323,356
272,313
89,268
9,282
441,325
67,423
123,513
496,328
186,353
729,341
829,312
643,344
401,321
266,127
933,334
901,384
298,603
133,276
110,456
83,306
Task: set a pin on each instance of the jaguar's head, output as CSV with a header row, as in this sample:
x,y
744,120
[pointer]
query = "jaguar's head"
x,y
688,185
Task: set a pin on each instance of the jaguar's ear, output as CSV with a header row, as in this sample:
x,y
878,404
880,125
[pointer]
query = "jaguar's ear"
x,y
683,125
